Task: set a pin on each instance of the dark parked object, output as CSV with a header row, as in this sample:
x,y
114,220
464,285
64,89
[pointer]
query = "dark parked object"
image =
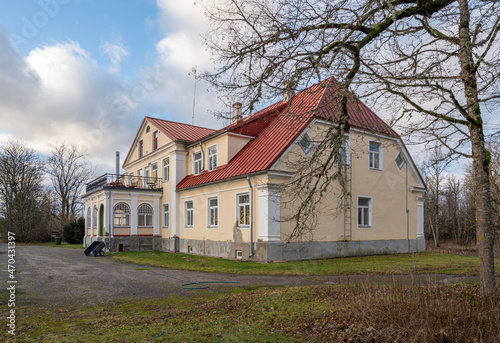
x,y
58,240
95,249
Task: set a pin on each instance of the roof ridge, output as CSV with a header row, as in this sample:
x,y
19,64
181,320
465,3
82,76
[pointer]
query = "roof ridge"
x,y
179,123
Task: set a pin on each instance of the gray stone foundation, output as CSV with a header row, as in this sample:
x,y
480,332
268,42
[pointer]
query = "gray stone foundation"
x,y
264,251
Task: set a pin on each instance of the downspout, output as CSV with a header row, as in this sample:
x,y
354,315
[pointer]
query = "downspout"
x,y
407,210
251,216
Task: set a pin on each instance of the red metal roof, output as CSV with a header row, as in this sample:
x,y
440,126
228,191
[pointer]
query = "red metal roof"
x,y
179,131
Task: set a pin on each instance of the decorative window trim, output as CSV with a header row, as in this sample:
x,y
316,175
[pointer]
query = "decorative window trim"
x,y
166,215
370,212
244,225
145,215
166,169
380,155
402,161
123,215
306,149
89,218
211,224
212,158
191,225
195,161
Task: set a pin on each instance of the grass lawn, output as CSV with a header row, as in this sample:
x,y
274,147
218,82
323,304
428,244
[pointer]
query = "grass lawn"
x,y
421,263
53,244
346,313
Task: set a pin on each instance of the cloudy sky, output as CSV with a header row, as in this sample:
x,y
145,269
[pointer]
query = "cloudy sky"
x,y
86,72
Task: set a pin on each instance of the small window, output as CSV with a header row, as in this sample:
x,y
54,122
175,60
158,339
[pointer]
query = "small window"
x,y
145,216
155,140
94,217
148,129
188,214
345,153
212,158
243,207
89,217
166,169
140,148
213,212
239,254
306,143
166,216
375,155
121,215
197,163
364,211
400,161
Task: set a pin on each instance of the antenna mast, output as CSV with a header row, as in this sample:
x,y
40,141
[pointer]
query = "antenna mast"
x,y
194,70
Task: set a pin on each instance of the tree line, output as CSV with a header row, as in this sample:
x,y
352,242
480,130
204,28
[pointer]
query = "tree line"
x,y
450,207
40,195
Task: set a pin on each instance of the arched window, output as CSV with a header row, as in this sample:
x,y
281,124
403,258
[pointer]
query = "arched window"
x,y
94,217
121,215
88,217
145,215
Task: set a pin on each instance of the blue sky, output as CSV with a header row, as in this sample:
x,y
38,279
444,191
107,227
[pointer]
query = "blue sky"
x,y
86,72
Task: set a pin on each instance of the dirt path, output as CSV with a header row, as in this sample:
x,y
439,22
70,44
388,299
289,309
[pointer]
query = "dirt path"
x,y
66,276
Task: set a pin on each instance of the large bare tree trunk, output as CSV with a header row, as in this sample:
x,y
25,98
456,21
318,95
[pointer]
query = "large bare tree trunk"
x,y
480,160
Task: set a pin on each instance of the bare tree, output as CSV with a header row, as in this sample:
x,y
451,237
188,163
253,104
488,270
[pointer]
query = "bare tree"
x,y
21,188
69,171
434,62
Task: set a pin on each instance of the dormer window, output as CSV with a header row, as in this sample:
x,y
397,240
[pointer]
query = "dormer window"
x,y
212,158
197,163
306,143
140,149
155,140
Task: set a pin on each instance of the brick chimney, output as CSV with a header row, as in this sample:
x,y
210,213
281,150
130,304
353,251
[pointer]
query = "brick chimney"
x,y
236,112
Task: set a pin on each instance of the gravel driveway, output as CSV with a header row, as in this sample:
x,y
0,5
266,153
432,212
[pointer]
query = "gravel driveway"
x,y
67,276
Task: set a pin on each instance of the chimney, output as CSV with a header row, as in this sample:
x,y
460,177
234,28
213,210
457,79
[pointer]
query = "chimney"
x,y
117,163
288,91
236,112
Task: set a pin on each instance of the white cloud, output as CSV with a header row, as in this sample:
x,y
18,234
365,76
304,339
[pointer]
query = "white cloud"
x,y
115,51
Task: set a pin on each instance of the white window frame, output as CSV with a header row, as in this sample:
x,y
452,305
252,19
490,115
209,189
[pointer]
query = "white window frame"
x,y
238,209
311,143
166,169
94,217
212,157
122,215
370,212
89,218
186,214
145,215
209,212
200,161
380,155
400,166
140,148
166,215
346,145
153,174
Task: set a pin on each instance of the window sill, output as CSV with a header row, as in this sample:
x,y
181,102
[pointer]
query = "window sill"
x,y
364,227
212,227
376,169
243,226
165,228
188,227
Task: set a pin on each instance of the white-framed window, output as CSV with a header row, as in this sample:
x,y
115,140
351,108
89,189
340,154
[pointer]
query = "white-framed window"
x,y
188,213
94,217
400,160
238,254
306,144
197,163
213,212
345,151
154,171
155,140
140,149
364,211
144,215
212,157
375,155
139,178
166,169
89,217
121,215
166,216
243,209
